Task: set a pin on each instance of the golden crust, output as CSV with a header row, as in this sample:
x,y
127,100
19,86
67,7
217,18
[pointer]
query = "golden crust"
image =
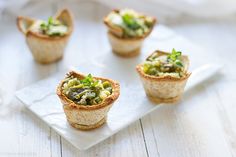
x,y
130,54
118,32
88,127
46,52
24,23
109,100
125,48
164,78
164,100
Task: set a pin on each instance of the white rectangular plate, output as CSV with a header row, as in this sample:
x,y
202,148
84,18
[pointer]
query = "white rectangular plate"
x,y
41,98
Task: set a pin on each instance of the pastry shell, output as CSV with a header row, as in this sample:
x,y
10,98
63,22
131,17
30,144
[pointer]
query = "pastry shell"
x,y
86,117
164,89
126,47
46,49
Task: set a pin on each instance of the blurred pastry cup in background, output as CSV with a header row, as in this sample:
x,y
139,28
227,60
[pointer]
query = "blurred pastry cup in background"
x,y
86,100
164,76
47,40
127,30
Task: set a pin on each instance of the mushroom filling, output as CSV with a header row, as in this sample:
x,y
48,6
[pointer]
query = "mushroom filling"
x,y
165,65
132,23
53,27
87,91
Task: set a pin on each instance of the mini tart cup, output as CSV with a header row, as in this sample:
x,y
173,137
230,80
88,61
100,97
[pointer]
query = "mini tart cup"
x,y
165,89
86,117
46,49
125,47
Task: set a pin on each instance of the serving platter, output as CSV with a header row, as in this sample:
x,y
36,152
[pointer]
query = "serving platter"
x,y
41,99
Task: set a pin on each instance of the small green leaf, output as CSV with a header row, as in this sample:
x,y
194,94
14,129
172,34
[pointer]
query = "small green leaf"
x,y
130,21
43,26
179,63
50,20
174,55
173,51
87,81
174,58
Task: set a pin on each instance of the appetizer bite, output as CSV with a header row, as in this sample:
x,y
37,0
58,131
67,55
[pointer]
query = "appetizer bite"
x,y
164,75
126,31
86,100
47,39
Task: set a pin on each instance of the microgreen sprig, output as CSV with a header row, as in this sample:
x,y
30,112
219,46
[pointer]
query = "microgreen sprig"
x,y
53,27
89,81
174,57
45,26
130,21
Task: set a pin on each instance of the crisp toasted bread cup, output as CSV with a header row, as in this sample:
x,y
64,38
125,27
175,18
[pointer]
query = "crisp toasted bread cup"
x,y
126,47
46,49
86,117
164,89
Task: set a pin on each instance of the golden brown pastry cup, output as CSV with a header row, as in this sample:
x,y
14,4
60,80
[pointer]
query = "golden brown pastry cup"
x,y
46,49
86,117
125,47
164,89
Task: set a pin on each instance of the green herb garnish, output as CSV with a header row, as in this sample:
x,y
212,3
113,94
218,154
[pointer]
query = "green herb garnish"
x,y
53,27
132,23
174,57
162,65
50,21
86,91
